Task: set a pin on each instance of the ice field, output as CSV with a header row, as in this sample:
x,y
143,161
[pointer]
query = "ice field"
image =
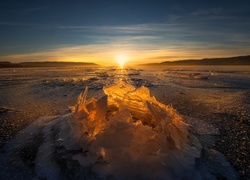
x,y
134,123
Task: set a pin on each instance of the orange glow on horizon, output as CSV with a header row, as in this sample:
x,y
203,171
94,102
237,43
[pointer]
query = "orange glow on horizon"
x,y
109,55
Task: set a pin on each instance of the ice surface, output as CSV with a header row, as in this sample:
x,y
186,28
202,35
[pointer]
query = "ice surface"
x,y
46,167
13,164
125,133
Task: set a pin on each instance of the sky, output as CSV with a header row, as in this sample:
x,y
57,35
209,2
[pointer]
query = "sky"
x,y
140,31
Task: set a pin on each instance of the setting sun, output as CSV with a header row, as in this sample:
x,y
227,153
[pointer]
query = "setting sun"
x,y
121,60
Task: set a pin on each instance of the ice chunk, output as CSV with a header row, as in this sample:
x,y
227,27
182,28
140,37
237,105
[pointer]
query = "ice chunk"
x,y
128,128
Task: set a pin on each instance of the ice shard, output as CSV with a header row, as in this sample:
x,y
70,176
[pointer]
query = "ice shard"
x,y
128,128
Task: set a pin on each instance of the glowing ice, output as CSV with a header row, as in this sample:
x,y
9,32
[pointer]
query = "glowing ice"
x,y
132,133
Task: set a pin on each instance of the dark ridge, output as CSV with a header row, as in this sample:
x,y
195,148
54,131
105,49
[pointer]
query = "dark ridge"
x,y
239,60
55,64
5,64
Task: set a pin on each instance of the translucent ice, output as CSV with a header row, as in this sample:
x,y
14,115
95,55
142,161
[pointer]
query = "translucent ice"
x,y
128,133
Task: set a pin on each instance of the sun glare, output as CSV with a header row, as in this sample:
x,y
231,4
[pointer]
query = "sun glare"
x,y
121,60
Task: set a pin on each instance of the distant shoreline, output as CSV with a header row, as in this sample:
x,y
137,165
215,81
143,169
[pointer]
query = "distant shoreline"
x,y
229,61
6,64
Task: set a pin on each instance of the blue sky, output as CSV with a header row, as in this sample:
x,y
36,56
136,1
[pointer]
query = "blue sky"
x,y
143,31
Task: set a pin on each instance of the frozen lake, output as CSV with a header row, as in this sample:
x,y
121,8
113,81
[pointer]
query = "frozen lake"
x,y
216,95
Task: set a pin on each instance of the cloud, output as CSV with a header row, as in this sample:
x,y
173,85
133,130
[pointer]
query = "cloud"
x,y
151,42
211,11
33,9
12,23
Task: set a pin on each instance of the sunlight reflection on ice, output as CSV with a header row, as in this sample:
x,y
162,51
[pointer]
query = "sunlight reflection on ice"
x,y
126,134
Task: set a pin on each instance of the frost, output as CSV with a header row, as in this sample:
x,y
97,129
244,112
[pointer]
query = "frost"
x,y
46,167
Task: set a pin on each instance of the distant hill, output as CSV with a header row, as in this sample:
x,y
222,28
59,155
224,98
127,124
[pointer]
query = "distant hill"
x,y
55,64
239,60
4,64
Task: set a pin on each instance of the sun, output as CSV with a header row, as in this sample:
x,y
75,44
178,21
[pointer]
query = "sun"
x,y
121,60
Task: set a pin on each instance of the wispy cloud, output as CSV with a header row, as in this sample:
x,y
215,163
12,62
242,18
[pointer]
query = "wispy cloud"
x,y
12,23
150,42
33,9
